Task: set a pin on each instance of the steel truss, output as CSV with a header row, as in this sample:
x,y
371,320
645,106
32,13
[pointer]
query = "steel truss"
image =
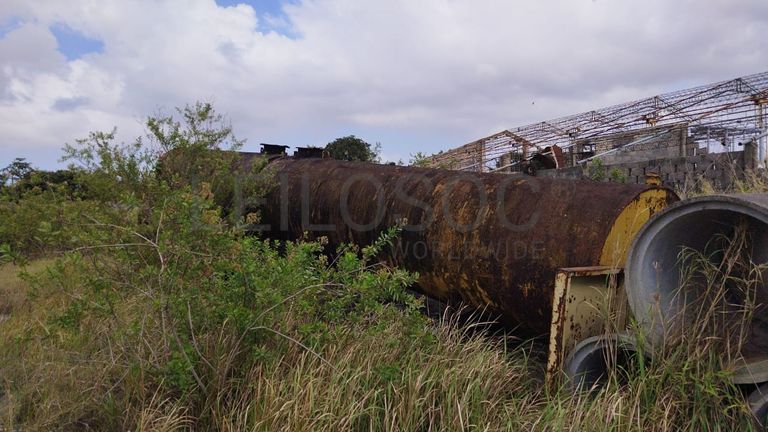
x,y
726,112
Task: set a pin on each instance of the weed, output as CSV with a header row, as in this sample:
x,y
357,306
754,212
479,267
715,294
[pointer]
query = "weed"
x,y
157,311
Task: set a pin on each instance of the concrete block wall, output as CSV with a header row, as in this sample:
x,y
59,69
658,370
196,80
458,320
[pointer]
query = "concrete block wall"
x,y
721,169
673,143
637,155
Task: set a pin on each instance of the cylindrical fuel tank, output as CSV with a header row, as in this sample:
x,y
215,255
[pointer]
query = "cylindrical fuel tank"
x,y
493,241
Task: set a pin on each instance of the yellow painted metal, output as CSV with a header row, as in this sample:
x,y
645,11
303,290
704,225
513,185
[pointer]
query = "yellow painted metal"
x,y
653,179
588,301
629,222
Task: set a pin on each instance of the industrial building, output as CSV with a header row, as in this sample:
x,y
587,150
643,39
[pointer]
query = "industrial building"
x,y
671,134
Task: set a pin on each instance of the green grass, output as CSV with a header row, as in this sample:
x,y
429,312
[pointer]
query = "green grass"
x,y
158,314
371,375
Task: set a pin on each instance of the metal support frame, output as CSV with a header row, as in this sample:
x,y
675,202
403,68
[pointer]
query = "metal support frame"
x,y
727,106
762,139
588,301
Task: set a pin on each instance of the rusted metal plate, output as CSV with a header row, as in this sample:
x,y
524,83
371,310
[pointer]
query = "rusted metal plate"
x,y
492,241
588,301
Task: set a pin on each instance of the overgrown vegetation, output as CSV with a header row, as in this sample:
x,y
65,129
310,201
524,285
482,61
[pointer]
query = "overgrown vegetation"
x,y
419,159
352,148
596,170
154,309
715,323
742,182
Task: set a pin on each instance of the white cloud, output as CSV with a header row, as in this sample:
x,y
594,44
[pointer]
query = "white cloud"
x,y
417,76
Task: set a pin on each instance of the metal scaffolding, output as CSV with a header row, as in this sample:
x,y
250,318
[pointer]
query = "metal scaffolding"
x,y
713,118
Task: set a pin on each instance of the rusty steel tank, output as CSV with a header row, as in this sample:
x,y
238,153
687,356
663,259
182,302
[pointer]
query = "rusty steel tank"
x,y
493,241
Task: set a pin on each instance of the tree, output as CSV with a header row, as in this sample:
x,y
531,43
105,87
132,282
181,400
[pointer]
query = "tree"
x,y
17,170
200,128
66,182
419,159
352,148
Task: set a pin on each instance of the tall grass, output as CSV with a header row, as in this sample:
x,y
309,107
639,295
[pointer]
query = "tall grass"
x,y
741,182
683,379
374,374
93,341
155,312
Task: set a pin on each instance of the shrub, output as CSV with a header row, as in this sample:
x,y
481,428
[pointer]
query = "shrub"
x,y
352,148
159,312
158,303
596,170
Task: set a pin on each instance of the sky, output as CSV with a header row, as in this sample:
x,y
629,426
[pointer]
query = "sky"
x,y
415,76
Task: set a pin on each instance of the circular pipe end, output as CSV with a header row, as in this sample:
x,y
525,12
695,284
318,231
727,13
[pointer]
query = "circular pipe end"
x,y
591,362
666,286
758,405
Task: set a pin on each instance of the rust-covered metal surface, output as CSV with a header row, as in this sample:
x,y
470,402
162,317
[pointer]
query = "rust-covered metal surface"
x,y
492,241
588,301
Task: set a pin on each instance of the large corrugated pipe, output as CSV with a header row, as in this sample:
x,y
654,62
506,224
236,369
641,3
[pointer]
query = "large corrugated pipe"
x,y
700,266
492,241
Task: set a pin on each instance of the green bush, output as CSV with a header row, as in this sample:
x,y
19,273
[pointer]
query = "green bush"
x,y
617,175
166,293
596,170
352,148
158,311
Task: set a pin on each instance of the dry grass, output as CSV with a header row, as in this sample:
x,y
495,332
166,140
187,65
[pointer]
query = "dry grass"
x,y
373,385
373,375
746,182
369,378
13,288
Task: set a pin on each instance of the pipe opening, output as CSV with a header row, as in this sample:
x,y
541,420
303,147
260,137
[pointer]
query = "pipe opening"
x,y
758,405
595,360
698,271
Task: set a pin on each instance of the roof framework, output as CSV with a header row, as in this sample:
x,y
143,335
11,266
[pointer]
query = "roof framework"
x,y
727,110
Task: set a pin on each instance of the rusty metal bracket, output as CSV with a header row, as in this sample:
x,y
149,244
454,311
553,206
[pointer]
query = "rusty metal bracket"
x,y
588,301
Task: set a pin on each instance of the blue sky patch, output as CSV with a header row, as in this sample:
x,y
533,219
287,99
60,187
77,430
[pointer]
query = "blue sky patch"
x,y
272,18
74,44
9,25
70,104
